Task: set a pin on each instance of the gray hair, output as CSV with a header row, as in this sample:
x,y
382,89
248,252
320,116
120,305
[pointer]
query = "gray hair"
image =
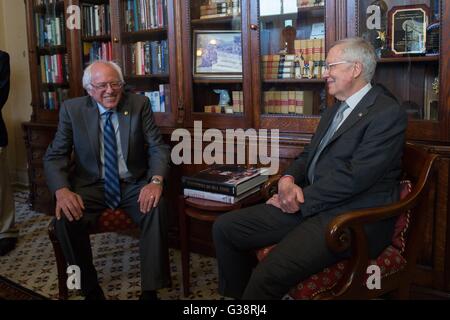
x,y
87,75
359,50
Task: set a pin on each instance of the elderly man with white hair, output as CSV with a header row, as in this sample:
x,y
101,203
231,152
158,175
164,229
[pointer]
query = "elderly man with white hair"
x,y
120,161
352,162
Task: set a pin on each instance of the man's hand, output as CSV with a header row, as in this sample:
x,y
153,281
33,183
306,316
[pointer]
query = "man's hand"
x,y
149,197
290,195
69,203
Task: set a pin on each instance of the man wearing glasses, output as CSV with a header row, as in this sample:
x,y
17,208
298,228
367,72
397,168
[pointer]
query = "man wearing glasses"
x,y
352,162
120,161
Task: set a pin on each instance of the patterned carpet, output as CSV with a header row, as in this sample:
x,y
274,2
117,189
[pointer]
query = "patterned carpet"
x,y
32,264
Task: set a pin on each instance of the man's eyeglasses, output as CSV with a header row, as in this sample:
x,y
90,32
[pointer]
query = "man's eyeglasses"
x,y
104,85
328,66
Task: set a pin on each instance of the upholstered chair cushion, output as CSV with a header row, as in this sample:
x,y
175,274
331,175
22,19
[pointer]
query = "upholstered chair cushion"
x,y
389,261
113,221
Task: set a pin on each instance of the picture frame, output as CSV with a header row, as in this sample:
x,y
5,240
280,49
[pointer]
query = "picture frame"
x,y
217,54
408,29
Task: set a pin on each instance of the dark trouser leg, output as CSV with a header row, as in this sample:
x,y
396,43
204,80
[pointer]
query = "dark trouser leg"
x,y
236,234
302,253
153,243
74,238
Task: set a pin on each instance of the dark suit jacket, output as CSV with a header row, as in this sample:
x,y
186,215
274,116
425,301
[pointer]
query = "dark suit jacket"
x,y
361,165
4,92
78,130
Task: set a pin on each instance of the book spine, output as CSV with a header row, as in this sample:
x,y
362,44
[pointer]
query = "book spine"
x,y
208,186
209,196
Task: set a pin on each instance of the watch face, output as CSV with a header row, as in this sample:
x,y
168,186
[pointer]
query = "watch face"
x,y
156,181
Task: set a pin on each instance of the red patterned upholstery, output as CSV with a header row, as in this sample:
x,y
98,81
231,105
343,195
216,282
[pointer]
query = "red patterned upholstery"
x,y
389,261
113,221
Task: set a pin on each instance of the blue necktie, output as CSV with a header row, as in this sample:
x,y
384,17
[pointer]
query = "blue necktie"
x,y
326,138
112,180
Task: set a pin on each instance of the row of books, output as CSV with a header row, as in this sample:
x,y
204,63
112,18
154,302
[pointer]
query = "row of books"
x,y
160,99
310,49
45,2
276,7
52,100
307,62
49,30
145,14
288,102
310,3
93,51
224,183
276,66
220,8
54,68
96,20
238,101
149,57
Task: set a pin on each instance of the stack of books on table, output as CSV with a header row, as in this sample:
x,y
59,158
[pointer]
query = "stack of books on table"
x,y
225,183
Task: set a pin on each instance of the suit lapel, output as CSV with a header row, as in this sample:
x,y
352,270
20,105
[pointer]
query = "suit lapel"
x,y
91,120
321,130
358,113
124,117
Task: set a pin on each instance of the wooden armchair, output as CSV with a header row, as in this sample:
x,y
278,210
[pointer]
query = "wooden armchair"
x,y
109,221
347,279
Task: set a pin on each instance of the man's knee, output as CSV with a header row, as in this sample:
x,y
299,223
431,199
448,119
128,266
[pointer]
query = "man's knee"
x,y
221,227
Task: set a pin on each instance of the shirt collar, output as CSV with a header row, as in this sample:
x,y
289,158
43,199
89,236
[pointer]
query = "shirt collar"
x,y
353,100
102,109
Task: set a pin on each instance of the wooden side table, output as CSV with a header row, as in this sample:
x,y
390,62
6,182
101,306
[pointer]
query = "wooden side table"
x,y
203,210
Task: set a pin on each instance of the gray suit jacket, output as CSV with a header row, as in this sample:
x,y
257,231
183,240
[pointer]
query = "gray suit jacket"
x,y
361,165
144,151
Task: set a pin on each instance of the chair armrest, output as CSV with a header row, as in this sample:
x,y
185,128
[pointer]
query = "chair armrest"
x,y
347,231
350,224
270,187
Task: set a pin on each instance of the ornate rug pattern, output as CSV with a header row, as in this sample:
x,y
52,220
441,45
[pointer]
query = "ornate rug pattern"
x,y
116,257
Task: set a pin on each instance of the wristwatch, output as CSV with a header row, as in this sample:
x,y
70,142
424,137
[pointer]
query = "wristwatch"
x,y
156,181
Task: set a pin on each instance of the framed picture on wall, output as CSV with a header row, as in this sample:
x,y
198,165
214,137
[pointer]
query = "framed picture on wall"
x,y
217,54
408,29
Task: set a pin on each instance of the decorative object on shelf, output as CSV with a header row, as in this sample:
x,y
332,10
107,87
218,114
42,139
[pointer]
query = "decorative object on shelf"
x,y
224,97
432,44
288,37
431,98
217,54
408,29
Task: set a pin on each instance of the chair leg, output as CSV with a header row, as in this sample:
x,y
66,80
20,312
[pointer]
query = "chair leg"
x,y
184,245
61,263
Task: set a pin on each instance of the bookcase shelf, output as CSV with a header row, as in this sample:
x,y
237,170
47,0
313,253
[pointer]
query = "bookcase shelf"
x,y
409,59
293,81
148,77
104,38
216,81
52,50
52,86
133,36
42,8
216,21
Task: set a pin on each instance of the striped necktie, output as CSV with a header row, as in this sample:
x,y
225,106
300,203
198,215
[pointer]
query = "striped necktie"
x,y
326,138
112,182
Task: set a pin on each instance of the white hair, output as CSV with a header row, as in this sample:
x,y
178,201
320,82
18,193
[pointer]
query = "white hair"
x,y
359,50
87,74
